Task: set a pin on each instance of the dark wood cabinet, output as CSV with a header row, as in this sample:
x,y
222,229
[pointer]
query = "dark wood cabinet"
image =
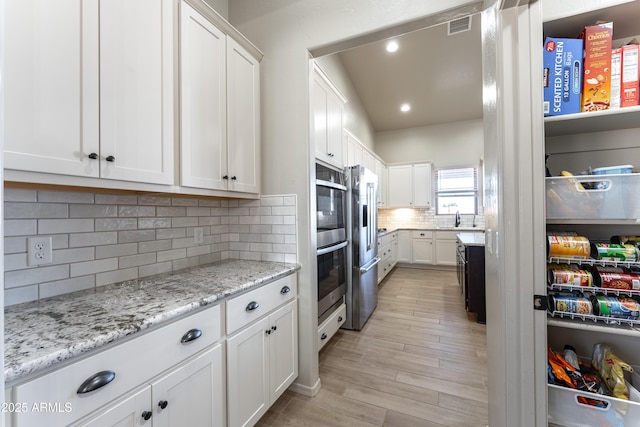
x,y
470,271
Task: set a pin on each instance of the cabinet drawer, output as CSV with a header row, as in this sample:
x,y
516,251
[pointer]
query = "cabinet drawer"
x,y
446,235
422,234
329,327
252,305
133,362
385,252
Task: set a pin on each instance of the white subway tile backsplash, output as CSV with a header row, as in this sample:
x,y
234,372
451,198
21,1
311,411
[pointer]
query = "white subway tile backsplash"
x,y
20,195
116,276
20,210
60,287
107,238
58,226
32,276
136,260
20,227
93,239
110,251
93,267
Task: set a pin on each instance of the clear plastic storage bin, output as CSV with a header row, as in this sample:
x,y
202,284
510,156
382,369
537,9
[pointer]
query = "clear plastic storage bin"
x,y
565,410
593,197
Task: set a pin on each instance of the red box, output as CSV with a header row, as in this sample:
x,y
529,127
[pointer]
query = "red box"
x,y
629,85
596,82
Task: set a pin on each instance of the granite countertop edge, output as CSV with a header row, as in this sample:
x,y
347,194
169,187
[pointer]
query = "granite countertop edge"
x,y
49,348
459,230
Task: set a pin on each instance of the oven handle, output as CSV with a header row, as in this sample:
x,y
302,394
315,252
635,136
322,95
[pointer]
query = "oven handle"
x,y
332,248
369,266
330,184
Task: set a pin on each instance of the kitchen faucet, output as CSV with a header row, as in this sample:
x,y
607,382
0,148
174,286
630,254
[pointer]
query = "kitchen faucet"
x,y
457,219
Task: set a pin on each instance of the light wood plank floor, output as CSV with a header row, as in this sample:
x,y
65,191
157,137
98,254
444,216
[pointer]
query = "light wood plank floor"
x,y
419,361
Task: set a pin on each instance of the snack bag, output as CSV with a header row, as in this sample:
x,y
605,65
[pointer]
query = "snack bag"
x,y
611,369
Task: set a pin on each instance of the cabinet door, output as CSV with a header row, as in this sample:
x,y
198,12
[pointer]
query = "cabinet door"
x,y
248,374
192,394
422,185
127,412
334,129
400,186
423,251
383,182
203,106
354,150
243,105
136,90
369,161
405,246
445,252
283,348
327,121
319,107
51,121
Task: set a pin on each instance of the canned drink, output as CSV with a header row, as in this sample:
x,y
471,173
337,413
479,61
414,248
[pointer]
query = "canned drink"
x,y
614,252
565,246
621,307
570,276
570,304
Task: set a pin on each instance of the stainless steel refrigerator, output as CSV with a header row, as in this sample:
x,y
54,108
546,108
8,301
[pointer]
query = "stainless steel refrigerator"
x,y
362,231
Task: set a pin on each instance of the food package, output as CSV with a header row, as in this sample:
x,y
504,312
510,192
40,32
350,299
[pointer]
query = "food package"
x,y
611,369
596,82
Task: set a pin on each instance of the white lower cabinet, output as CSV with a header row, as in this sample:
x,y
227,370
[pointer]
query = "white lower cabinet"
x,y
171,351
192,394
445,244
262,361
405,246
422,245
329,327
387,252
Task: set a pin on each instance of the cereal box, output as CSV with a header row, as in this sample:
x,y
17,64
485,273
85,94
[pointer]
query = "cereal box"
x,y
629,88
616,77
562,76
596,82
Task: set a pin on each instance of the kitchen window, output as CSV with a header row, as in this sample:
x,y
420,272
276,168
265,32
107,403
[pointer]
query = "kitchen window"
x,y
456,191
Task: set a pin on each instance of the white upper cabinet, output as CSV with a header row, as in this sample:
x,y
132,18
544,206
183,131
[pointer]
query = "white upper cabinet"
x,y
136,90
410,186
51,85
422,191
203,102
243,106
383,183
400,186
90,88
220,116
327,106
354,149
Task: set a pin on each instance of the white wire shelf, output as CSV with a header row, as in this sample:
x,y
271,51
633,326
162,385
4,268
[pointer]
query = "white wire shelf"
x,y
593,262
593,318
593,289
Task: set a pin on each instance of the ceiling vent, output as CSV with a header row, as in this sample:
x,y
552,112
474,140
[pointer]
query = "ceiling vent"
x,y
459,25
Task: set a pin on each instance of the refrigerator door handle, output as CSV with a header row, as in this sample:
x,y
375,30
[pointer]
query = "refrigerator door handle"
x,y
369,266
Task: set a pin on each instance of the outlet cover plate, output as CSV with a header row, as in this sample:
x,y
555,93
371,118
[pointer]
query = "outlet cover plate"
x,y
39,251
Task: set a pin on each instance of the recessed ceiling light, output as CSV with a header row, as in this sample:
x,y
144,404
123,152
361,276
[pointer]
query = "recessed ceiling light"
x,y
405,107
392,46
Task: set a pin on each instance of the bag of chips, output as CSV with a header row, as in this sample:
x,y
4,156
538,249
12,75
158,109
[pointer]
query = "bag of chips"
x,y
611,369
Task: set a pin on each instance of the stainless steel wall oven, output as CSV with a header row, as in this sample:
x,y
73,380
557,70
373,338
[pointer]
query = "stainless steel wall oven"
x,y
331,243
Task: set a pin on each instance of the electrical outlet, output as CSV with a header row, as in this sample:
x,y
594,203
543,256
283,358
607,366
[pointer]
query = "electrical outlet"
x,y
39,250
198,235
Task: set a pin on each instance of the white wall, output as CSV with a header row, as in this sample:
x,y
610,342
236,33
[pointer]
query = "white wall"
x,y
448,144
286,31
355,117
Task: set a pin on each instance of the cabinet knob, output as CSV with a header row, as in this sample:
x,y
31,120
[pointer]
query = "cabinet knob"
x,y
422,234
285,290
110,159
98,380
252,306
339,318
163,404
191,335
93,156
273,328
323,336
225,177
268,332
146,415
233,178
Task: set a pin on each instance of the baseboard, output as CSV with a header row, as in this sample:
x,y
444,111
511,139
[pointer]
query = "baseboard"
x,y
306,390
427,266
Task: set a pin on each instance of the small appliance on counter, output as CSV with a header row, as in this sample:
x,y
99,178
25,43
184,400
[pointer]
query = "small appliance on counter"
x,y
362,232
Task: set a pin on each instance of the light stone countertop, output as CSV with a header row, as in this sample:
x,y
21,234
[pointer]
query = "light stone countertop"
x,y
458,229
471,239
41,334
